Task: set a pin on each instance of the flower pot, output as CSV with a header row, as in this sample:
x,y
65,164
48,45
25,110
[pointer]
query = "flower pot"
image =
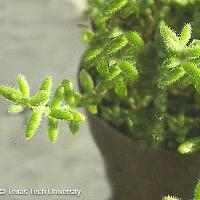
x,y
141,173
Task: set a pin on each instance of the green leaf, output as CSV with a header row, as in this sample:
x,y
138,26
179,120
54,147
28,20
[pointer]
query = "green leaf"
x,y
91,54
115,45
111,7
100,21
120,87
87,36
67,114
114,72
192,70
86,81
23,85
129,70
69,93
47,85
134,39
103,86
57,98
170,38
92,109
170,198
197,191
196,61
9,93
171,63
77,117
114,32
186,34
33,123
52,129
186,81
74,127
62,114
15,108
171,77
102,67
40,98
78,97
195,43
192,52
189,146
130,8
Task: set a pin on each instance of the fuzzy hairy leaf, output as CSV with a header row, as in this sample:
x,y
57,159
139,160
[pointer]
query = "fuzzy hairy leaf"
x,y
170,37
86,81
87,36
102,68
134,39
39,99
9,93
120,87
129,70
52,129
114,72
47,85
23,85
130,8
195,43
111,7
197,191
33,123
91,54
103,86
171,77
171,63
186,34
192,70
69,93
189,146
15,108
115,45
67,114
192,52
74,127
57,98
78,97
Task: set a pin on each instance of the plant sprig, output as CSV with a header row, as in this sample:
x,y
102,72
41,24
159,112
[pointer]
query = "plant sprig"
x,y
42,105
184,60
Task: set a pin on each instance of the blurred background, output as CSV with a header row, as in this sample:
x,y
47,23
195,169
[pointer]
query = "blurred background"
x,y
39,38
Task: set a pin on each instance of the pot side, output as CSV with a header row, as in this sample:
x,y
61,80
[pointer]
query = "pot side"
x,y
138,173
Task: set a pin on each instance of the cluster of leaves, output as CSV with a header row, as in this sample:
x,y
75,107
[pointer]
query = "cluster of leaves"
x,y
153,102
183,66
114,72
196,194
41,106
184,60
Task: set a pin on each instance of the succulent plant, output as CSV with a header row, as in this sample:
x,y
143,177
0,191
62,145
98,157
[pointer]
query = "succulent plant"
x,y
137,74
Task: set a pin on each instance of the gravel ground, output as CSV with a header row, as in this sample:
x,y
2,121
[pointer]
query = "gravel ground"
x,y
39,38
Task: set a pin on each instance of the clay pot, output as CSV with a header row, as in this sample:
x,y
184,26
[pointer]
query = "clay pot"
x,y
141,173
